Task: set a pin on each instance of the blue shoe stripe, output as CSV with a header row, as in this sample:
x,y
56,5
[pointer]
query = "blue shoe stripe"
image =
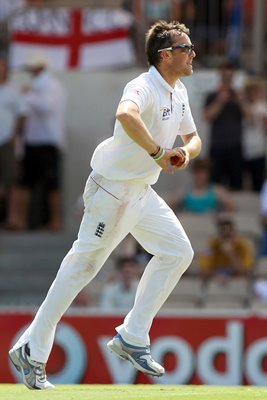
x,y
130,345
141,361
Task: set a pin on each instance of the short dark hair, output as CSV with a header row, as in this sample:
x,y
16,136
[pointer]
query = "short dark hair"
x,y
227,65
201,164
125,260
159,36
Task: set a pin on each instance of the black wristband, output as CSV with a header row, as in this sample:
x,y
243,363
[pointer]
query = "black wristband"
x,y
156,152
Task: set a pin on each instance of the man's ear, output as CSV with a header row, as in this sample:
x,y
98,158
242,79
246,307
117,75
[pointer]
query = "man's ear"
x,y
165,54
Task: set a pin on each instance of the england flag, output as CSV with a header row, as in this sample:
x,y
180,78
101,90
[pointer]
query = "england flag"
x,y
86,39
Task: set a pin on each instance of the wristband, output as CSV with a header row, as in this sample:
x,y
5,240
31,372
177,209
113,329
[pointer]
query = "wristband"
x,y
160,156
155,153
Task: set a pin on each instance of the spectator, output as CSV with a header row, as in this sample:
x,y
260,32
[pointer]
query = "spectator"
x,y
44,138
223,109
203,196
11,116
227,254
263,213
120,294
255,130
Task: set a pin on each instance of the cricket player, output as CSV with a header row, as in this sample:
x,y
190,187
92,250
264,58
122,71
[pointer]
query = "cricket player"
x,y
119,199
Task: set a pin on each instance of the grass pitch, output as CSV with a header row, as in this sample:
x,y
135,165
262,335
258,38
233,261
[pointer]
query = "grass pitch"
x,y
134,392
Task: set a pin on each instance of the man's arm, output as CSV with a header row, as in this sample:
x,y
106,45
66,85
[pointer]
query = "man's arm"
x,y
19,126
192,144
129,116
192,148
215,105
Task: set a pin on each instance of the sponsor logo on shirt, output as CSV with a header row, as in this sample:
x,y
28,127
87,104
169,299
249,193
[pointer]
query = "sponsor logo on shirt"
x,y
166,113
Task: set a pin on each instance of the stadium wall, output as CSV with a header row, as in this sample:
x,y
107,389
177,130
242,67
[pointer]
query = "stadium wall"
x,y
208,348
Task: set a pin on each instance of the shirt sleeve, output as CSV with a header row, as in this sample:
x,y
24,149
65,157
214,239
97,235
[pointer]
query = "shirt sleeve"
x,y
140,95
22,108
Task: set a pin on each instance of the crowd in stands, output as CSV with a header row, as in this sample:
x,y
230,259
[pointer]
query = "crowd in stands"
x,y
227,261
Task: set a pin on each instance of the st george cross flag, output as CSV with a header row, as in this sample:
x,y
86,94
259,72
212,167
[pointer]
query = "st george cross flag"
x,y
86,39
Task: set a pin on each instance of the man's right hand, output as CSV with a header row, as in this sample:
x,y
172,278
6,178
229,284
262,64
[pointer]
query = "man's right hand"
x,y
165,162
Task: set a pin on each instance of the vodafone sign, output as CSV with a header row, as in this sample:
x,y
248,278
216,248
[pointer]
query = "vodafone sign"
x,y
197,349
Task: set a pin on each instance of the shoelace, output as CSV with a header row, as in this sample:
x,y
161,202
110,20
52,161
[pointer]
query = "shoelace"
x,y
39,369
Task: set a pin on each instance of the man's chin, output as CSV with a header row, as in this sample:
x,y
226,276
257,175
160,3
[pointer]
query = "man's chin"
x,y
189,72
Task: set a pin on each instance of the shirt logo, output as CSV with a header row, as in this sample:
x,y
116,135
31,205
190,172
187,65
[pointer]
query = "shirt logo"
x,y
100,229
166,113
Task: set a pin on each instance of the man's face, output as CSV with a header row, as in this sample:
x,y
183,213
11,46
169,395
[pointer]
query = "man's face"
x,y
226,230
182,58
227,75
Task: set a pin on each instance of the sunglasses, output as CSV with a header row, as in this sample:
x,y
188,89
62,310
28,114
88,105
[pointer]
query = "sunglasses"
x,y
186,48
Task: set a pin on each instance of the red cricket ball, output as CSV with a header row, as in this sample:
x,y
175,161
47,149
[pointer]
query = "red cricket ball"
x,y
177,161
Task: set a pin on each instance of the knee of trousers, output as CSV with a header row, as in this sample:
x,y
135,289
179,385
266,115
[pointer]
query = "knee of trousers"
x,y
183,258
188,255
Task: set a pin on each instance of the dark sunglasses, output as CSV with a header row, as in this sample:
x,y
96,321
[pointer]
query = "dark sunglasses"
x,y
186,48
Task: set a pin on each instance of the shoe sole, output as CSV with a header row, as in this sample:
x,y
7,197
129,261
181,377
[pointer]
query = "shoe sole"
x,y
114,345
16,362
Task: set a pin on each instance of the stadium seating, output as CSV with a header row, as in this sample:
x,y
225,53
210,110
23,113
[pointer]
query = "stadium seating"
x,y
188,293
234,292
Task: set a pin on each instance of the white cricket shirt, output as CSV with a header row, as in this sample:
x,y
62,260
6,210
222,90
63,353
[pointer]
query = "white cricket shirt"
x,y
11,107
46,111
166,113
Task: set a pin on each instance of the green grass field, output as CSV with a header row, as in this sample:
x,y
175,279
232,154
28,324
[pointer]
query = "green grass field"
x,y
132,392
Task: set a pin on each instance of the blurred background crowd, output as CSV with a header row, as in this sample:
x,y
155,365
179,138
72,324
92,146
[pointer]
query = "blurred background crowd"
x,y
55,108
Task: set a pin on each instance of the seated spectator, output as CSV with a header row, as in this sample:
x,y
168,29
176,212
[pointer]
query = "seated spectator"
x,y
203,196
120,294
263,213
227,254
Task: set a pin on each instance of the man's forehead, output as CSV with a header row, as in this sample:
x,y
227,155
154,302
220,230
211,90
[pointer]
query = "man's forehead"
x,y
180,37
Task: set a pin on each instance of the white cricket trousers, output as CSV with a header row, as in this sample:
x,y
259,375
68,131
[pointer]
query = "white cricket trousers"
x,y
112,210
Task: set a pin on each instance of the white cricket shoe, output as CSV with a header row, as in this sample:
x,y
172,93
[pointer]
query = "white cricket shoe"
x,y
33,372
140,357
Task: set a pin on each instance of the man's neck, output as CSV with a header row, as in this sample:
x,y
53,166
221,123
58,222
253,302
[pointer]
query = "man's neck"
x,y
169,78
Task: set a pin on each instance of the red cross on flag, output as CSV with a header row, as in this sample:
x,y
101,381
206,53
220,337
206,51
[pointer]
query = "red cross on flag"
x,y
84,38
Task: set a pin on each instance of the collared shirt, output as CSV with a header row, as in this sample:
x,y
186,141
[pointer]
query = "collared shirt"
x,y
165,111
46,109
11,107
116,296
